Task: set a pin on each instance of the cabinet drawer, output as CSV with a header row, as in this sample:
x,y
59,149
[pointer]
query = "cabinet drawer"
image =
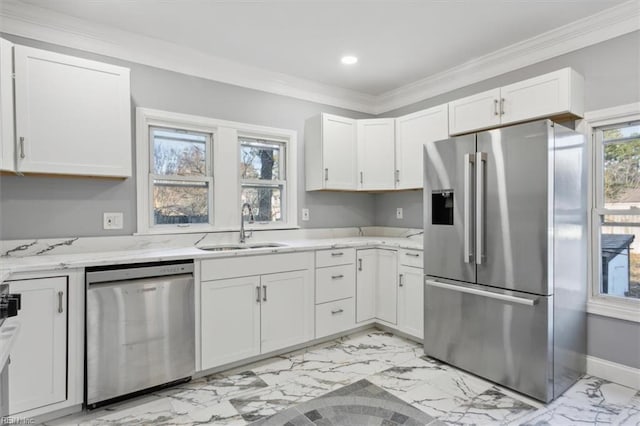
x,y
334,317
335,282
334,257
244,266
411,258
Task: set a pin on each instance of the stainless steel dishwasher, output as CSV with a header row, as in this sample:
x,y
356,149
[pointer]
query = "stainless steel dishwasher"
x,y
140,331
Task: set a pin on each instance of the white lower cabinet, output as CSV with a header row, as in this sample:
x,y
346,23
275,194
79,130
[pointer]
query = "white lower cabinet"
x,y
287,309
38,369
376,282
411,301
335,317
241,317
230,320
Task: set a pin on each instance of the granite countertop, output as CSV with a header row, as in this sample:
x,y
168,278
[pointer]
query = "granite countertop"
x,y
50,262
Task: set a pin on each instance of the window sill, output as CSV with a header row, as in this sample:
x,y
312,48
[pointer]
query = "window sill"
x,y
619,309
210,229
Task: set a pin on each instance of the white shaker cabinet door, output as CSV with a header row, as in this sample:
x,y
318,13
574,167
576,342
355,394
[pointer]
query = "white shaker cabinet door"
x,y
480,111
38,369
376,151
230,320
366,284
412,132
287,309
339,153
7,139
73,116
552,94
411,301
387,289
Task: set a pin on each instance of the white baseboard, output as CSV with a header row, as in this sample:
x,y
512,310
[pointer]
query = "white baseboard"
x,y
614,372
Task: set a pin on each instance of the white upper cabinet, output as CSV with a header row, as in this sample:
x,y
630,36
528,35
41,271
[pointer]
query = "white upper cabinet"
x,y
7,139
412,132
557,94
475,112
73,116
331,155
376,142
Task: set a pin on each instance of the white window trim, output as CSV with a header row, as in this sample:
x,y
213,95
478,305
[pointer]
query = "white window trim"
x,y
226,178
614,307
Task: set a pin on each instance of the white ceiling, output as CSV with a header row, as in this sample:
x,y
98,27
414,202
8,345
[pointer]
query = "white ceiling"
x,y
397,41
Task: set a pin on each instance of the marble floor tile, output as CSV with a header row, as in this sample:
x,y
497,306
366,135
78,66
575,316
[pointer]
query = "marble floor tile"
x,y
391,365
491,407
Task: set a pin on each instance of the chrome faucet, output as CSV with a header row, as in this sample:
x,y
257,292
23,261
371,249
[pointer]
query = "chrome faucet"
x,y
243,233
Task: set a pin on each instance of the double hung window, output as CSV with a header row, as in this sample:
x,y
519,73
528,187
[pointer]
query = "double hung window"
x,y
616,213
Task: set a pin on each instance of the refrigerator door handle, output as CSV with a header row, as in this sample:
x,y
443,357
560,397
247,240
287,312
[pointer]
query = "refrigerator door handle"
x,y
481,169
468,230
489,294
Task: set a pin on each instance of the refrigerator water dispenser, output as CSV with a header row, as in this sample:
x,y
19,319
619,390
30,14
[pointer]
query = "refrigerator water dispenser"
x,y
442,207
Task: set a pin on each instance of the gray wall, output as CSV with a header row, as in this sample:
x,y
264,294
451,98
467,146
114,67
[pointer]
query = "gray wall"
x,y
48,207
612,77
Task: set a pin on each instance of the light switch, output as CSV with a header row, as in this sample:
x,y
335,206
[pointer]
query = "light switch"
x,y
305,214
399,213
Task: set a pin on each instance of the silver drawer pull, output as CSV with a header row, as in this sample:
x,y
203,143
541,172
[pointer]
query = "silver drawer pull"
x,y
337,311
258,294
337,253
22,147
337,277
401,280
60,294
264,293
413,254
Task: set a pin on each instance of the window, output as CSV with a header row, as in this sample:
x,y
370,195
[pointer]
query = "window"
x,y
181,176
194,173
263,177
617,210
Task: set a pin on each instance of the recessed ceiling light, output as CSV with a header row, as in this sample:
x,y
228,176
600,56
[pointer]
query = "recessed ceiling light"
x,y
349,60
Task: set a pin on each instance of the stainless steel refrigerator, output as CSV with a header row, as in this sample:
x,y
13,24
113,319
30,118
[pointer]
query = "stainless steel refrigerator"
x,y
505,255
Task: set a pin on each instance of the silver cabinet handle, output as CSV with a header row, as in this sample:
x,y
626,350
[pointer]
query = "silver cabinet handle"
x,y
60,294
413,254
469,162
361,174
481,165
337,253
397,176
337,277
258,294
359,264
401,280
326,174
501,106
22,147
337,311
478,292
495,107
264,294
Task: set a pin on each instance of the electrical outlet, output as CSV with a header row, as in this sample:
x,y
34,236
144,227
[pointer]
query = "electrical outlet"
x,y
305,214
113,220
399,213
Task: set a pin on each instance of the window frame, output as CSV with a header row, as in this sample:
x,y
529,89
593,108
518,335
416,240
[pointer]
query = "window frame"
x,y
225,163
206,178
281,182
593,124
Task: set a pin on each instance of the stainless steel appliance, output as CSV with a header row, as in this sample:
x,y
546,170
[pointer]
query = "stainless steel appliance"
x,y
505,255
140,328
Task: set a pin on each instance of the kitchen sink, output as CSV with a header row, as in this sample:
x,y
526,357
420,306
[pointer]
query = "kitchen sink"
x,y
233,247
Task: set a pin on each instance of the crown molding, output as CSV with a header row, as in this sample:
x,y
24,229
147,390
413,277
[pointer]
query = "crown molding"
x,y
25,20
610,23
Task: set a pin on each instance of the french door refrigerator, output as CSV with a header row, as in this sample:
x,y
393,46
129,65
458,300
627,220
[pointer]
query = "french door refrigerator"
x,y
505,255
